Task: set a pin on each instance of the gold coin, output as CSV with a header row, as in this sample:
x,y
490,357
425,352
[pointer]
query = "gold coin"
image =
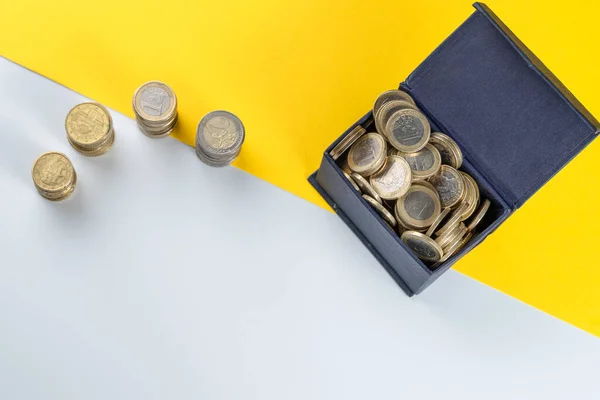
x,y
388,96
387,110
385,214
368,154
449,252
450,185
89,128
472,196
438,221
479,215
54,176
453,221
423,163
419,207
347,141
449,150
349,178
422,246
393,180
345,167
451,235
407,130
365,187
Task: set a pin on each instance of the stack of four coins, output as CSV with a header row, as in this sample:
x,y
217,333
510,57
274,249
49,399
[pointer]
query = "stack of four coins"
x,y
89,129
54,176
155,108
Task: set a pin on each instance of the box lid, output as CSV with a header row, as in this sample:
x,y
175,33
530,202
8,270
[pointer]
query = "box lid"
x,y
511,117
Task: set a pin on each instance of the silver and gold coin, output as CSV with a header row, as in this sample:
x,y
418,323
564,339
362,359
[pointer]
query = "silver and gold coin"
x,y
155,109
449,236
393,180
347,141
54,176
485,206
436,223
352,182
472,195
453,220
450,185
385,214
449,150
384,114
219,138
368,154
391,95
365,187
407,130
422,246
450,251
89,129
419,207
424,163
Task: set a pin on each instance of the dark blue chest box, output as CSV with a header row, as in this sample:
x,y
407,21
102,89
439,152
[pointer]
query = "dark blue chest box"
x,y
516,124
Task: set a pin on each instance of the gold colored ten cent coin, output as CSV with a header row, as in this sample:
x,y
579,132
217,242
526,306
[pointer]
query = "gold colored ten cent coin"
x,y
89,129
54,176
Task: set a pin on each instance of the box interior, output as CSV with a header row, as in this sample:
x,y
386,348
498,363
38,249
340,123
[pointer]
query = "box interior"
x,y
515,127
497,213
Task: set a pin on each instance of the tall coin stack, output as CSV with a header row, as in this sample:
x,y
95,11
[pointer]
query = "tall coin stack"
x,y
54,176
410,176
219,138
89,129
155,108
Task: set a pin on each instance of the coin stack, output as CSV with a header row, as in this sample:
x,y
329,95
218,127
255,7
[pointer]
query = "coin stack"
x,y
54,176
410,176
219,138
90,129
155,108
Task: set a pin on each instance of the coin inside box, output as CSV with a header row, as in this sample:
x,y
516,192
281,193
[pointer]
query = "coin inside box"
x,y
515,123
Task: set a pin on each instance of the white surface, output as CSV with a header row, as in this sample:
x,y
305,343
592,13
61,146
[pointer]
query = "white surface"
x,y
161,278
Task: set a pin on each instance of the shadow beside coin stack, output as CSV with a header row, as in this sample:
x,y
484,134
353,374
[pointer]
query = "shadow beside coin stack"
x,y
411,177
90,131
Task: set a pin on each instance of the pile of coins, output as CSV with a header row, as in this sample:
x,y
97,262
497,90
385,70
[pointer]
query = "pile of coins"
x,y
155,108
90,129
410,176
219,138
54,176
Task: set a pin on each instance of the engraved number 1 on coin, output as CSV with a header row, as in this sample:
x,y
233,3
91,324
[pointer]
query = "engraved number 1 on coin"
x,y
152,106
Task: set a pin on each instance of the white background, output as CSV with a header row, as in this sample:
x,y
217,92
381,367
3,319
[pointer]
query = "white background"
x,y
162,278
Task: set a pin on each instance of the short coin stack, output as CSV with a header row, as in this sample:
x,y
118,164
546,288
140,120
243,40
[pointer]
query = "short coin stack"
x,y
410,176
155,108
54,176
219,138
90,129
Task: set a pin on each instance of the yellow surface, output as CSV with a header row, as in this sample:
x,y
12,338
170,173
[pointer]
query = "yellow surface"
x,y
299,73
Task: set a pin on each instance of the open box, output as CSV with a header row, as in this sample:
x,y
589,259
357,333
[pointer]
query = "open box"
x,y
515,123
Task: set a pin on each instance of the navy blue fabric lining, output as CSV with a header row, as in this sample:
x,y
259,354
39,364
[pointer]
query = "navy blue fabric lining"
x,y
513,125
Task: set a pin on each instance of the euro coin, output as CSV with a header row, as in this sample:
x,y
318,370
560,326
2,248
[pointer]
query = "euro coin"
x,y
407,130
440,218
385,214
54,176
478,217
365,186
393,180
347,141
424,163
419,207
89,129
368,154
155,109
352,182
422,246
449,150
391,95
450,186
219,138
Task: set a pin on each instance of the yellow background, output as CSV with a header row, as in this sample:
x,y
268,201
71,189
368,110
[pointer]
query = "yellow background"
x,y
299,73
